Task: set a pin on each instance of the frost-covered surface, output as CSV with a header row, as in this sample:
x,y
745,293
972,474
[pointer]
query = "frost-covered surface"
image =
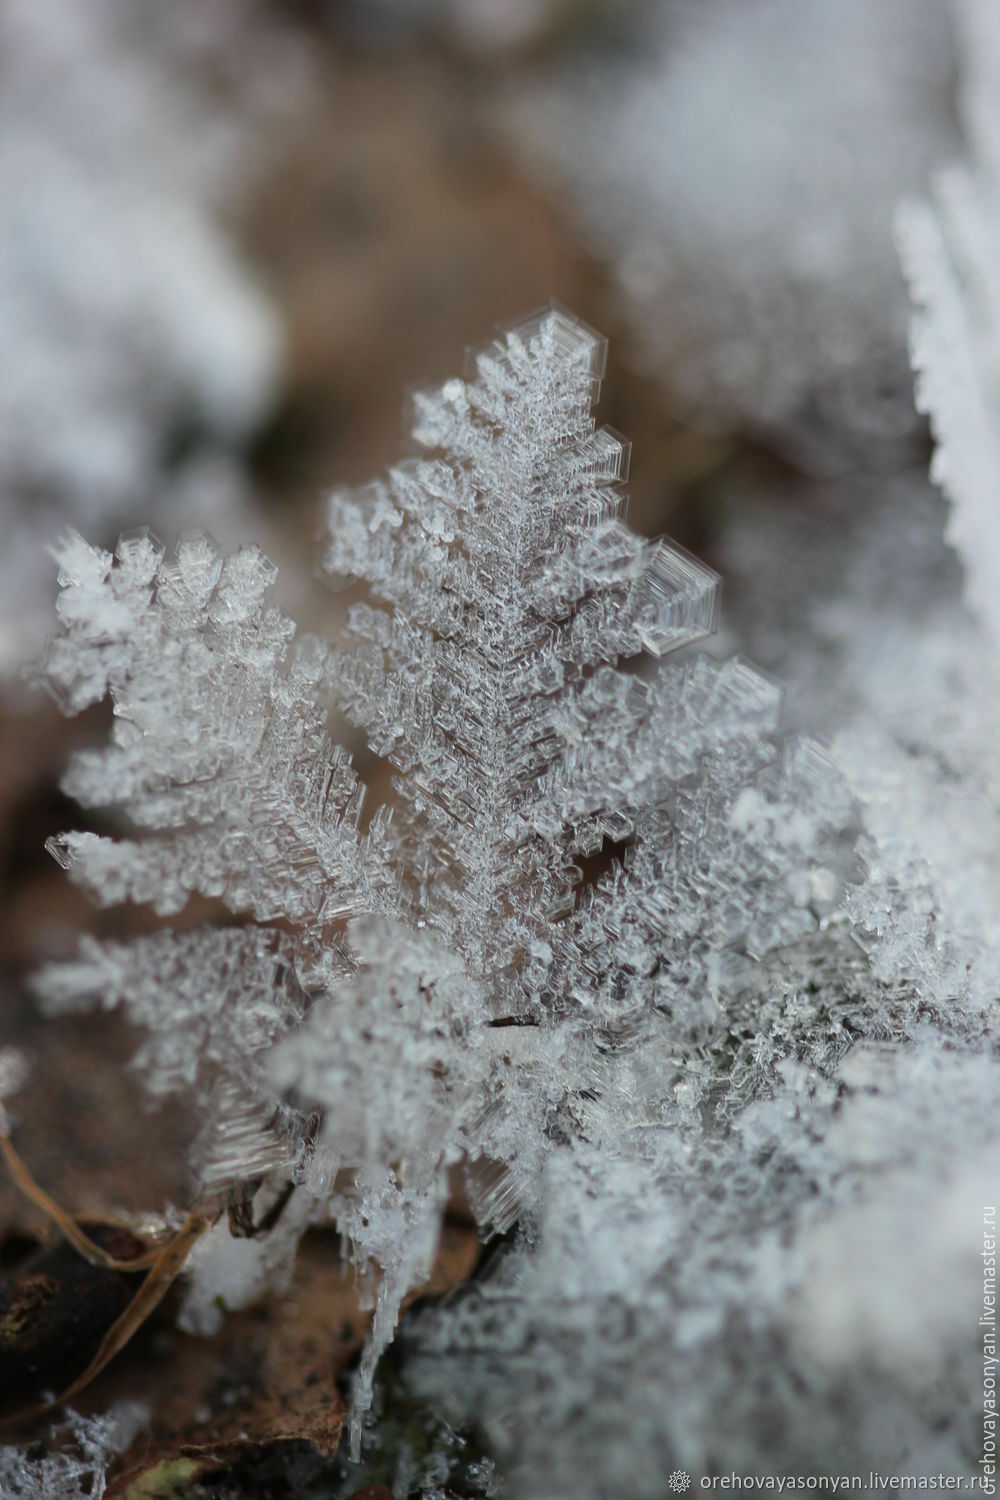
x,y
951,248
584,880
783,1272
127,314
80,1452
774,1270
709,1014
739,162
788,1277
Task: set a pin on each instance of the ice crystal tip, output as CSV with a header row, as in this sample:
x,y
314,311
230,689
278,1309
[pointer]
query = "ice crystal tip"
x,y
566,339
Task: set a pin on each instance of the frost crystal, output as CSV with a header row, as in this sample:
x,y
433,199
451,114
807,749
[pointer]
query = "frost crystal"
x,y
86,1447
583,878
922,755
771,1271
950,250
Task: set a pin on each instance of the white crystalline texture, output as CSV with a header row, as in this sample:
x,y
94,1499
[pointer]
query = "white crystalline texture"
x,y
453,983
950,250
126,312
766,1261
81,1450
252,996
218,747
606,1348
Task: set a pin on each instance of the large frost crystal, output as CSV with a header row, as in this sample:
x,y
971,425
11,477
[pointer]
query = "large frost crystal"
x,y
572,887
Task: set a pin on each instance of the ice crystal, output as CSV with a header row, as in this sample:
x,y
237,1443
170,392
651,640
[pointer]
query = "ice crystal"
x,y
772,1271
78,1463
950,250
756,1272
583,873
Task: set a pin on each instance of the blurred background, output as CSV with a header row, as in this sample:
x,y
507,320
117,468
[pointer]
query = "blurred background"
x,y
233,233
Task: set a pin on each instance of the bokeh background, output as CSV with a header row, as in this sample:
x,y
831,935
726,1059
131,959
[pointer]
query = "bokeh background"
x,y
234,233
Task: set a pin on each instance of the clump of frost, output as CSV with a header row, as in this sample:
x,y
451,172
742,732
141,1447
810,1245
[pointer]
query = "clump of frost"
x,y
740,163
785,1272
950,249
582,879
127,313
922,750
772,1271
226,1273
81,1450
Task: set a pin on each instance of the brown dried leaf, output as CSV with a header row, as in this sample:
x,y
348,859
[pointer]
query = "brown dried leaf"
x,y
270,1375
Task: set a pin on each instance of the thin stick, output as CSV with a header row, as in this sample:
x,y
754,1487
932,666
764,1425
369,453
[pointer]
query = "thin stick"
x,y
80,1241
162,1275
161,1278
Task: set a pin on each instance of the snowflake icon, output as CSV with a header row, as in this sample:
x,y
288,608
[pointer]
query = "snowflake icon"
x,y
679,1480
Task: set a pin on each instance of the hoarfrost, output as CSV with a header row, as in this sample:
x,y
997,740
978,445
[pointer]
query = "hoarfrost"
x,y
781,1270
762,1274
950,249
606,947
83,1449
583,881
126,311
